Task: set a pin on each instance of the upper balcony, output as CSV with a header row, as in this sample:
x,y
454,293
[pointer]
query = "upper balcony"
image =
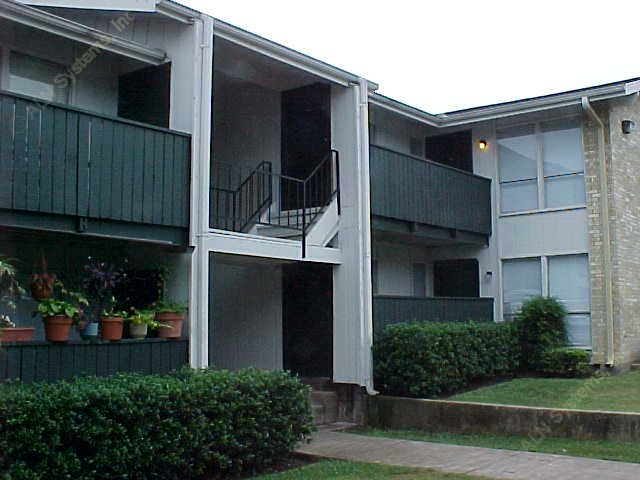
x,y
68,170
422,198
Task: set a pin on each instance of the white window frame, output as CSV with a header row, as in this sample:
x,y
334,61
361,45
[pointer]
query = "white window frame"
x,y
537,130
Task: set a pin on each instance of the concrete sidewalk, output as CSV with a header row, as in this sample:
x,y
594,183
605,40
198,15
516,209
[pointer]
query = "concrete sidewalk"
x,y
500,464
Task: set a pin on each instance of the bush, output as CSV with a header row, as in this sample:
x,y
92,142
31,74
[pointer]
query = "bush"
x,y
151,427
542,328
422,360
567,362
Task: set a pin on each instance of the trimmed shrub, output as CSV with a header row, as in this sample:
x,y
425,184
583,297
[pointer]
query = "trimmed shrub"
x,y
426,359
180,426
542,328
567,362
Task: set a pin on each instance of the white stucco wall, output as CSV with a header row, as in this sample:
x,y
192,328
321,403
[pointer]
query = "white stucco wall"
x,y
245,325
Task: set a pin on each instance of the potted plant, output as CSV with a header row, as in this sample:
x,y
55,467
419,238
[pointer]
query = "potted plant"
x,y
42,283
171,317
140,322
99,279
10,289
112,325
59,313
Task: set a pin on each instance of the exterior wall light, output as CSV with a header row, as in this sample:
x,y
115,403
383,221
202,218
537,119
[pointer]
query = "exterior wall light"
x,y
483,145
628,126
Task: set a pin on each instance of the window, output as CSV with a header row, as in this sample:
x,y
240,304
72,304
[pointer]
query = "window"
x,y
36,77
541,166
419,280
566,278
522,279
569,283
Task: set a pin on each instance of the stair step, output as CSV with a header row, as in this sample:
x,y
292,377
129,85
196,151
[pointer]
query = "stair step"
x,y
635,366
324,407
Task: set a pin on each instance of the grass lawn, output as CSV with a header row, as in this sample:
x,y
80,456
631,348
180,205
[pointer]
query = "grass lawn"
x,y
617,393
618,451
364,471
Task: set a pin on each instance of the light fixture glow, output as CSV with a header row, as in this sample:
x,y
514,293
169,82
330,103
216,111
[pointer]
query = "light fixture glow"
x,y
483,145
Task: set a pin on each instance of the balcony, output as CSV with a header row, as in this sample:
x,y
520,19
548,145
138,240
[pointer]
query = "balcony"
x,y
69,170
388,310
419,197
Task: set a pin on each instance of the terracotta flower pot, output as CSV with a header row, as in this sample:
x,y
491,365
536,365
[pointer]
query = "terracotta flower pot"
x,y
112,328
57,329
172,324
138,331
16,334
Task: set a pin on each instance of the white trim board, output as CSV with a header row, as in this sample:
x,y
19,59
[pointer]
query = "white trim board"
x,y
220,241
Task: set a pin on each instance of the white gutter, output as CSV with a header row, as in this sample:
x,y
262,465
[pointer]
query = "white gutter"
x,y
48,22
606,231
176,12
286,55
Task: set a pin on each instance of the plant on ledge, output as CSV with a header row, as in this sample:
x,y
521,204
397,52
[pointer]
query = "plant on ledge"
x,y
43,282
141,321
99,280
171,315
10,289
59,312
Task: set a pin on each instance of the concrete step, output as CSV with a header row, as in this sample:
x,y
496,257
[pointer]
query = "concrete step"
x,y
277,232
324,407
635,366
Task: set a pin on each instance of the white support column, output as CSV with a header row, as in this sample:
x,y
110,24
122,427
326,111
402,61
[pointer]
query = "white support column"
x,y
200,171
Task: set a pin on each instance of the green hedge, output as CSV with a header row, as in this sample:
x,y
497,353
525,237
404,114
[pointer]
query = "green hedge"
x,y
566,362
150,427
423,360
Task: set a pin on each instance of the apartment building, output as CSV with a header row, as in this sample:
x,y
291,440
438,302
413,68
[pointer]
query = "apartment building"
x,y
298,210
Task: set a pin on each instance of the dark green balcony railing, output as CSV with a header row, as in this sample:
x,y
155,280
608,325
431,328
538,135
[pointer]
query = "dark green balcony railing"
x,y
388,310
414,190
50,362
58,162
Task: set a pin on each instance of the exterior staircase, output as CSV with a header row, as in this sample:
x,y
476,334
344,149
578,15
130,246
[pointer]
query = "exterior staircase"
x,y
324,400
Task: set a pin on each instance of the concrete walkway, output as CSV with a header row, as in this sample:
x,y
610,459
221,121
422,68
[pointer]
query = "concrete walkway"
x,y
500,464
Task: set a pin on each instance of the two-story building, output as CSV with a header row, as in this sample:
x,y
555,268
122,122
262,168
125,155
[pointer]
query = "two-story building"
x,y
300,211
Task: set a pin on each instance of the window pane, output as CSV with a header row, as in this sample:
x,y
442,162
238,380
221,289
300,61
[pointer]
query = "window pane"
x,y
419,280
562,147
564,191
517,153
36,77
519,196
522,279
578,330
569,282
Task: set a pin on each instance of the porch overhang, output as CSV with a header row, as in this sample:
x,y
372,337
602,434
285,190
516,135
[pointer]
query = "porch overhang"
x,y
48,22
421,234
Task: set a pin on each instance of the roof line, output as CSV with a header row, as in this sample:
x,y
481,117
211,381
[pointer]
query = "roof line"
x,y
517,107
43,20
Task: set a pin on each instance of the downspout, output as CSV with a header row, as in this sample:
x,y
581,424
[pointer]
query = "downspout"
x,y
606,231
366,331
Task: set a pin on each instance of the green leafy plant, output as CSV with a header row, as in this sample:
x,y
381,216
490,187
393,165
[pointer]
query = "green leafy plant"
x,y
541,324
566,362
193,424
64,302
145,317
427,359
10,290
170,307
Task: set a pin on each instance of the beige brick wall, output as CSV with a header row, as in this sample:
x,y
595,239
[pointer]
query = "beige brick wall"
x,y
623,165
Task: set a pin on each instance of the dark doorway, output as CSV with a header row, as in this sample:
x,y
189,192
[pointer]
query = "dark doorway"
x,y
452,149
306,136
145,95
456,278
308,319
